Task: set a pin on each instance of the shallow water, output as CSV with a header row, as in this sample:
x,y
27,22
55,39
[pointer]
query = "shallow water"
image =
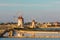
x,y
29,38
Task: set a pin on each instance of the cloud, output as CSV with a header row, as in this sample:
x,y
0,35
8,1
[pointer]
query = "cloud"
x,y
26,5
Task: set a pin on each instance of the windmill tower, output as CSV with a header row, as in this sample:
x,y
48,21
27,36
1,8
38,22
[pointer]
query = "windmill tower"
x,y
20,22
19,19
33,25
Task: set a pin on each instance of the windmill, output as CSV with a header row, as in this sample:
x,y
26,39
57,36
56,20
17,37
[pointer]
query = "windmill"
x,y
19,19
15,17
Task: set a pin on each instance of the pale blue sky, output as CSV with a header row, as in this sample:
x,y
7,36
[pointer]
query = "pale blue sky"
x,y
40,10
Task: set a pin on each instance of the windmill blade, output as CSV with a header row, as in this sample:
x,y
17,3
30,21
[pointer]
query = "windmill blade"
x,y
19,13
33,18
15,18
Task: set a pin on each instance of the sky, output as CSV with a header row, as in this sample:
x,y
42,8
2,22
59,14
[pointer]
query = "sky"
x,y
40,10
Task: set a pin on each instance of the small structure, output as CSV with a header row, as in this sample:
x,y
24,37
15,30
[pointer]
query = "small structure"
x,y
55,24
19,34
45,25
48,24
33,25
20,22
11,33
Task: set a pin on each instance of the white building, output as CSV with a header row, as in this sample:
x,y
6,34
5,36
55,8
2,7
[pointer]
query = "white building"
x,y
33,24
20,22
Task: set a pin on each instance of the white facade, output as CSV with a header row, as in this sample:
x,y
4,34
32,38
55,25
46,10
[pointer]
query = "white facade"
x,y
33,24
20,22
